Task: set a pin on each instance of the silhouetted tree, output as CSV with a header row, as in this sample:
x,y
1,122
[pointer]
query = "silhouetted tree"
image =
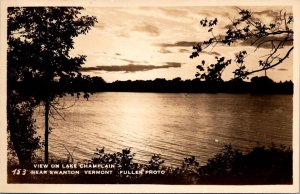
x,y
251,30
39,44
177,79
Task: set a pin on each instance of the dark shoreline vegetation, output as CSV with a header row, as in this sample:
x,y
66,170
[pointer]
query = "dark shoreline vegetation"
x,y
262,165
257,85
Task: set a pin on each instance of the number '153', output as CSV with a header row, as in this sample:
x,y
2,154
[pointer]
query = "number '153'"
x,y
19,171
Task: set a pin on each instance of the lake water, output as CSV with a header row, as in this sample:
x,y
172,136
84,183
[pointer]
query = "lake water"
x,y
173,125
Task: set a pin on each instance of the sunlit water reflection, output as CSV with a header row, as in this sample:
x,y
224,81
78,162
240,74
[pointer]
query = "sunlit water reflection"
x,y
173,125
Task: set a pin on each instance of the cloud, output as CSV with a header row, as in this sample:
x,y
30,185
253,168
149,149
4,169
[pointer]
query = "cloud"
x,y
268,42
164,51
147,28
247,42
178,44
184,51
99,25
211,53
212,12
228,26
205,52
174,12
270,13
173,64
282,69
127,60
130,67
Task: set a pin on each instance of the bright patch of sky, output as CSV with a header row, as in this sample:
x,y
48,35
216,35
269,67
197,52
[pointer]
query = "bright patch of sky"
x,y
145,43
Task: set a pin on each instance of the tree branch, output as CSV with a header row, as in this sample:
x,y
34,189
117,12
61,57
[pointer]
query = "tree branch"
x,y
271,66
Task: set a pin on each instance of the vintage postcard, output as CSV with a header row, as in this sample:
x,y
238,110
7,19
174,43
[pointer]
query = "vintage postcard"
x,y
150,96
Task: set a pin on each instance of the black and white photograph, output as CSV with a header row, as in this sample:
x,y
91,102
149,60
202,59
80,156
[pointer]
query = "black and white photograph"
x,y
166,94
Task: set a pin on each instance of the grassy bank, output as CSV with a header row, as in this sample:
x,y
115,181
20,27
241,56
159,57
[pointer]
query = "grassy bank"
x,y
262,165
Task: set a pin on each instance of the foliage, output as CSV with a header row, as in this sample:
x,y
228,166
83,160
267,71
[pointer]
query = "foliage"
x,y
40,40
122,160
21,129
261,85
40,67
262,165
248,29
155,163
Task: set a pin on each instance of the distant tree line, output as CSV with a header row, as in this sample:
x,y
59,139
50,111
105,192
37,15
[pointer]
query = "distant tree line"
x,y
257,85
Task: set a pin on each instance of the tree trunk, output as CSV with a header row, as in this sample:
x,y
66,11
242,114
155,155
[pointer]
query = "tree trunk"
x,y
47,109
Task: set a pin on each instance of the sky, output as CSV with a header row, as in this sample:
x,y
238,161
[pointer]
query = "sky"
x,y
145,43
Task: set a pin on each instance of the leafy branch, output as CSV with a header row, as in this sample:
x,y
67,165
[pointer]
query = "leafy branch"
x,y
247,30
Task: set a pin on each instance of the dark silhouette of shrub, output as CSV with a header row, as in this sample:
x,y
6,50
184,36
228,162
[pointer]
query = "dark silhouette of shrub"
x,y
262,165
